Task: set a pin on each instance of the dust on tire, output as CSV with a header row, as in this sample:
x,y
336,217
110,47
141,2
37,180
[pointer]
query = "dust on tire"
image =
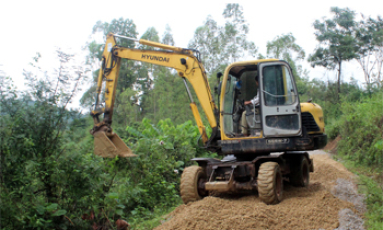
x,y
270,183
189,184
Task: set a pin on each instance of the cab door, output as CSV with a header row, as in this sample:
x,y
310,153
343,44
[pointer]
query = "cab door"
x,y
280,107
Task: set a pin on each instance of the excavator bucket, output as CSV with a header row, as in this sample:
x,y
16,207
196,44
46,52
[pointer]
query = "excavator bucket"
x,y
110,146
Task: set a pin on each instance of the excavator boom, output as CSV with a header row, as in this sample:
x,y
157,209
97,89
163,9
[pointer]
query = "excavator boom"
x,y
187,65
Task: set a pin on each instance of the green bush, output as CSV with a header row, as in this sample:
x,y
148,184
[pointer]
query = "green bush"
x,y
332,129
50,178
149,183
361,128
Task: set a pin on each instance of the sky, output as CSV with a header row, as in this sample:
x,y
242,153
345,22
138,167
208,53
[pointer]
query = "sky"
x,y
40,26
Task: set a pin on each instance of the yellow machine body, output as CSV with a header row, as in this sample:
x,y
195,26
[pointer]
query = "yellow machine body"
x,y
190,68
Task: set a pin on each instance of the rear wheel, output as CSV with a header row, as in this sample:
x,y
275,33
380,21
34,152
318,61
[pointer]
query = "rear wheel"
x,y
270,183
192,184
300,172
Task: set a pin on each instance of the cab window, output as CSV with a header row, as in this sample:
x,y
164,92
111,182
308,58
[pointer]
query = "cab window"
x,y
229,105
278,86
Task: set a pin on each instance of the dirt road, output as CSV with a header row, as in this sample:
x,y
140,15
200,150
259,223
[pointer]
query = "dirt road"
x,y
329,202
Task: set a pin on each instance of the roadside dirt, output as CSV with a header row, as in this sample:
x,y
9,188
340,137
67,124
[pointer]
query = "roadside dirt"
x,y
314,207
332,145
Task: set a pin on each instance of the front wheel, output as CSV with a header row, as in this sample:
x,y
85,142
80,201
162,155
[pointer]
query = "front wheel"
x,y
192,181
270,183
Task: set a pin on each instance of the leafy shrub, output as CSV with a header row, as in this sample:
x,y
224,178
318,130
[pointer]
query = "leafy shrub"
x,y
50,178
332,129
43,185
361,128
52,184
163,151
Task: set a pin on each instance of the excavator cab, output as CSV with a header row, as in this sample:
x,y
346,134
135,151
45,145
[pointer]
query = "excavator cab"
x,y
277,114
274,123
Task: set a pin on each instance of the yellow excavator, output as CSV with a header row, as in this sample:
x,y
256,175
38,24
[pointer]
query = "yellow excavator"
x,y
262,143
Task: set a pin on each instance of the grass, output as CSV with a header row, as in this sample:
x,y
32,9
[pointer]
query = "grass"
x,y
371,185
156,218
374,201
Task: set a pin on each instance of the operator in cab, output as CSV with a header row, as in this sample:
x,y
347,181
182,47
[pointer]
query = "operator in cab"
x,y
251,113
246,120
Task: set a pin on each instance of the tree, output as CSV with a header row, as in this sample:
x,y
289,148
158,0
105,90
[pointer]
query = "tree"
x,y
165,97
126,107
206,41
145,80
221,45
167,38
284,47
369,35
337,41
234,34
128,70
39,181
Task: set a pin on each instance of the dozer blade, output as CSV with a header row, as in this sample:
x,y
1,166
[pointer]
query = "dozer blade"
x,y
110,147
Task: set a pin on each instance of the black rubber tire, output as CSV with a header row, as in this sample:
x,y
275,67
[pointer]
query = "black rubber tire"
x,y
270,183
190,178
299,172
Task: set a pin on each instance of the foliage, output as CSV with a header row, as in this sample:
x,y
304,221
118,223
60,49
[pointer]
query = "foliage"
x,y
143,90
374,201
332,129
162,91
234,34
168,98
128,71
150,182
156,218
40,185
222,45
361,128
342,39
368,34
51,180
336,37
285,48
206,41
371,185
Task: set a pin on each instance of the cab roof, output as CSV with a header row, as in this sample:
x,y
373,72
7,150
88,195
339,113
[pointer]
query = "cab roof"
x,y
237,68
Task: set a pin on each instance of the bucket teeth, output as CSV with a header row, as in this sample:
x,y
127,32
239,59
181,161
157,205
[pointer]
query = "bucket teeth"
x,y
110,146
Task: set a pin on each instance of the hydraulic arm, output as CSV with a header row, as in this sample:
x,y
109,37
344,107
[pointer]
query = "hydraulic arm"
x,y
187,65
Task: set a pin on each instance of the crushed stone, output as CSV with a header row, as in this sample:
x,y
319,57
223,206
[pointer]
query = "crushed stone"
x,y
347,190
349,220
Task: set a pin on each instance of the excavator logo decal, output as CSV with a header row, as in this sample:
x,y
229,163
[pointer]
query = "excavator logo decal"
x,y
155,58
